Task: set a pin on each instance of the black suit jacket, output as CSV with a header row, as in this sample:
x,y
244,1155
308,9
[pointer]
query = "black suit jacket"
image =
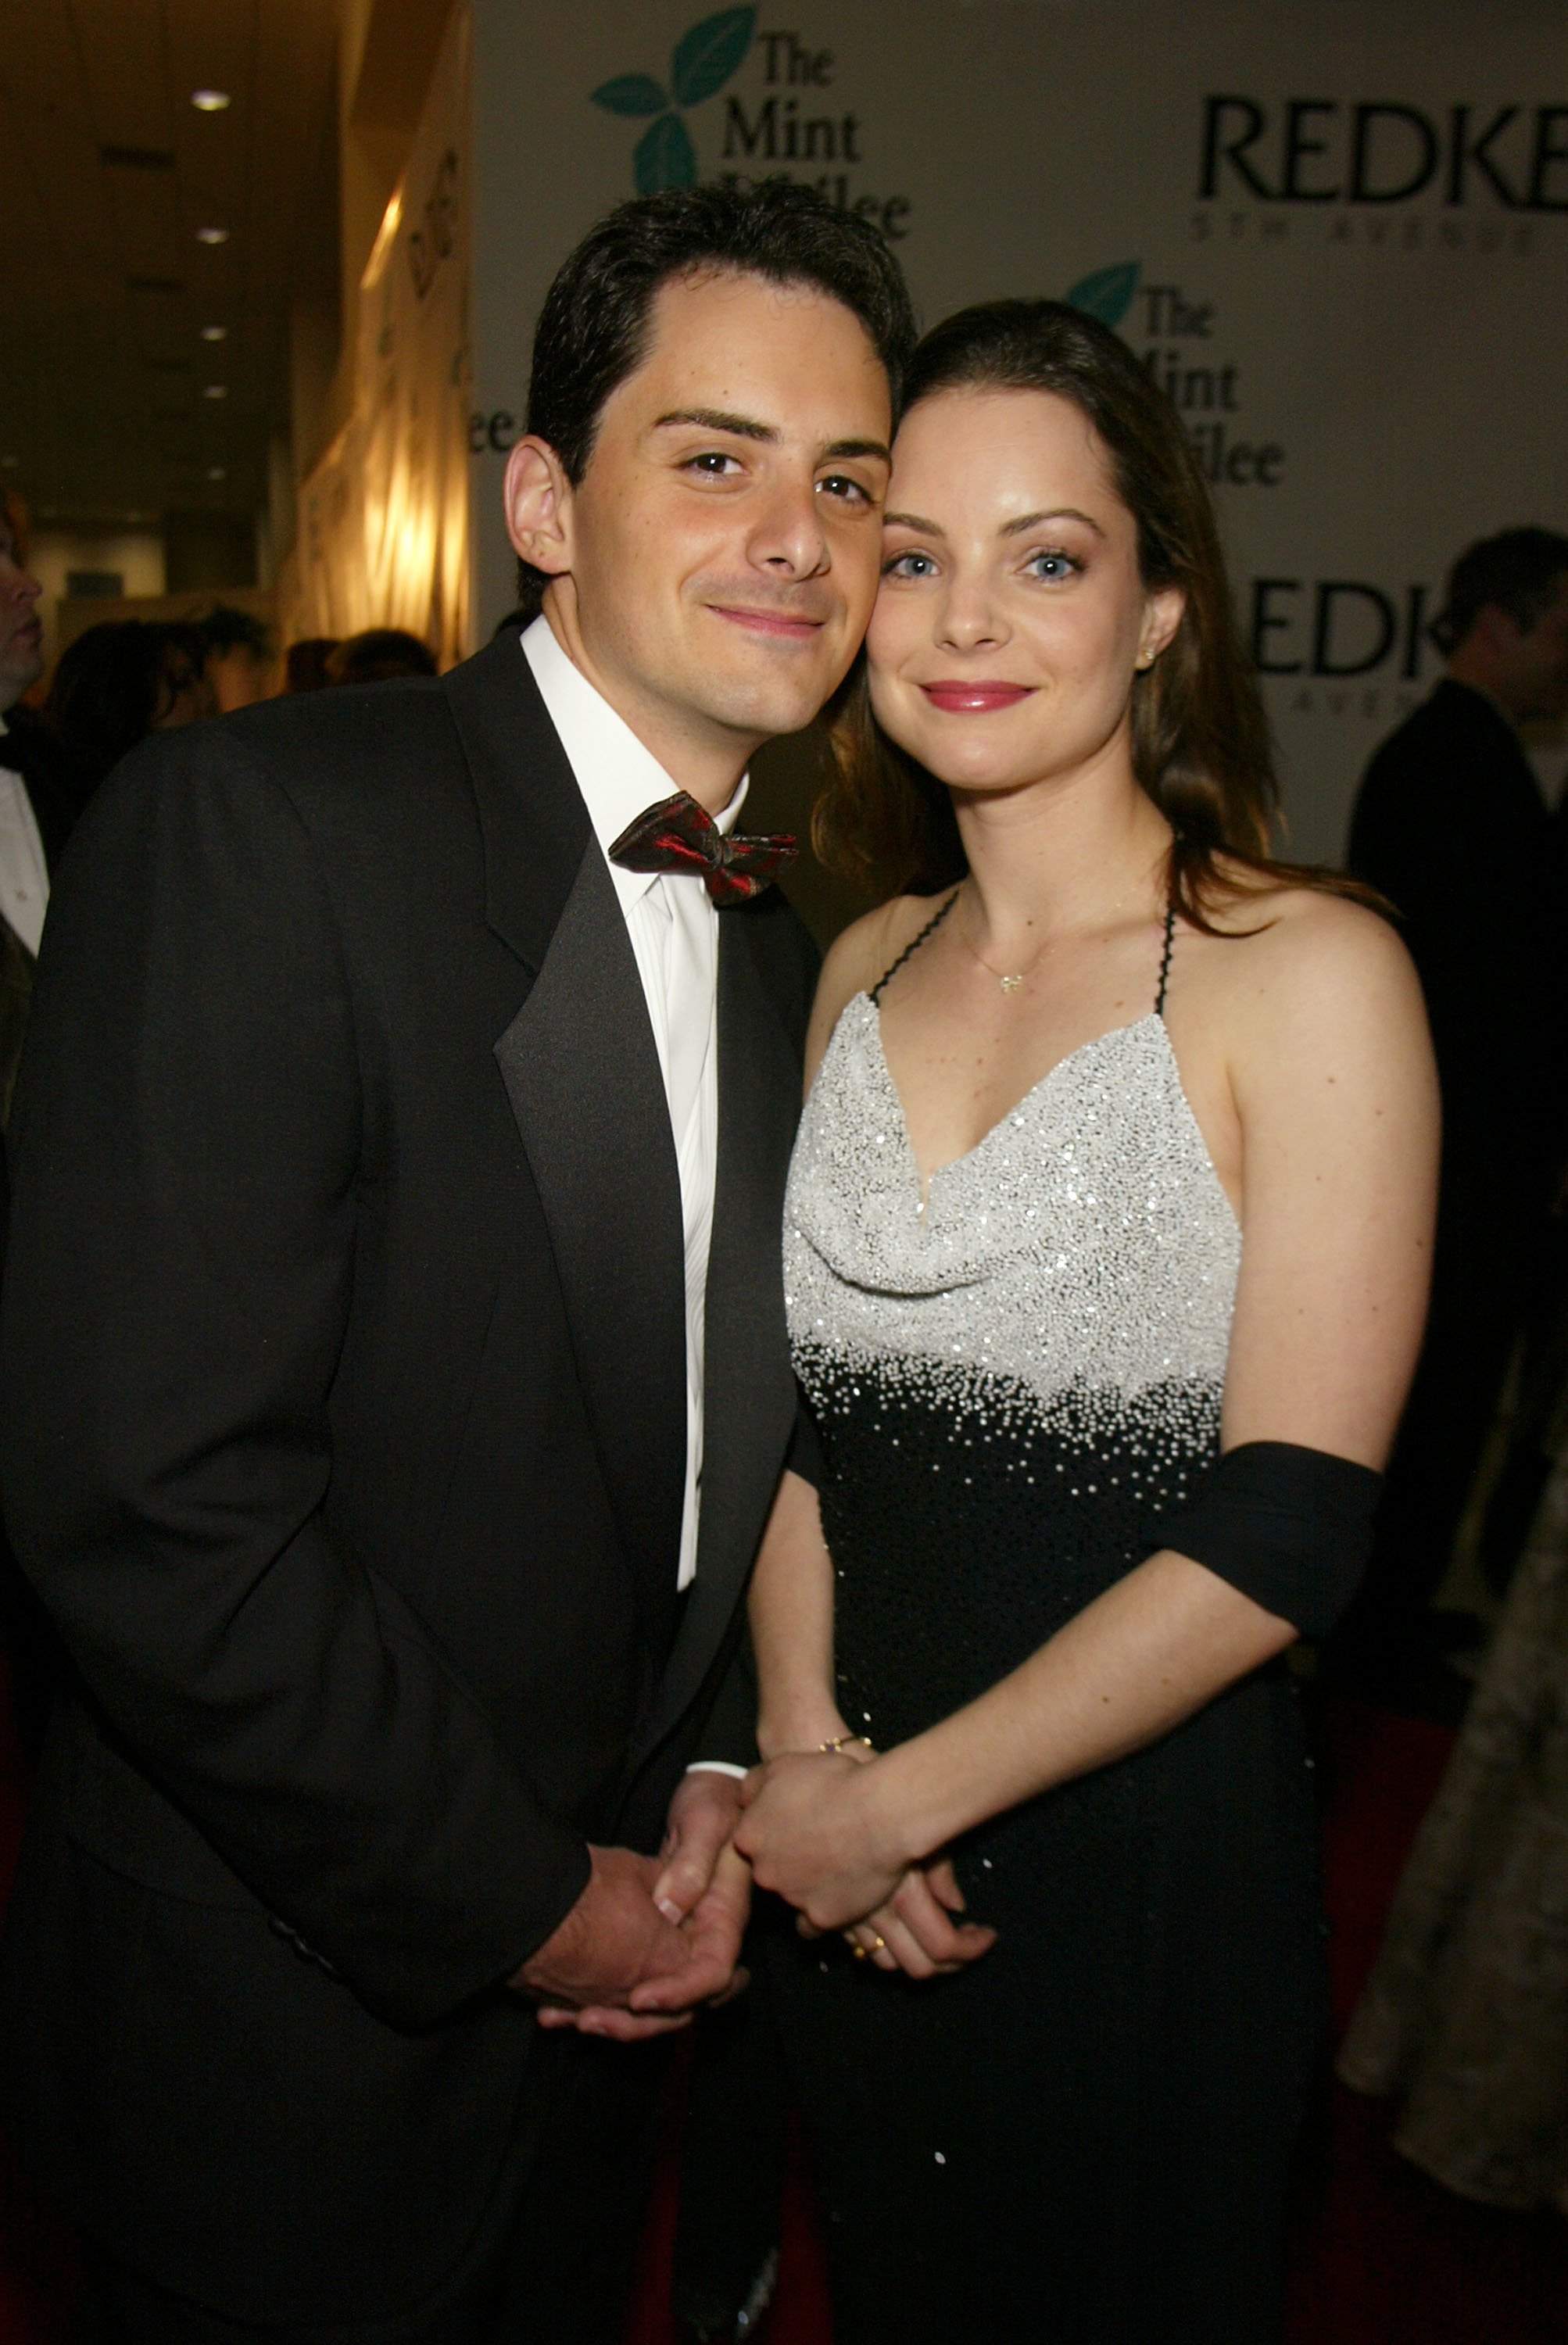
x,y
29,748
1449,824
344,1437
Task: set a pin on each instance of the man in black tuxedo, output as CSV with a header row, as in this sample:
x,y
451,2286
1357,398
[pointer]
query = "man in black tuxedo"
x,y
1450,824
395,1373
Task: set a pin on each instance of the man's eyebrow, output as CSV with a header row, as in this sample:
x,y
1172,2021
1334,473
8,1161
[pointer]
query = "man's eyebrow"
x,y
747,427
715,419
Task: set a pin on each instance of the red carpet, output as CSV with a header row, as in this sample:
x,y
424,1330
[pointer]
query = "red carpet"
x,y
1382,2256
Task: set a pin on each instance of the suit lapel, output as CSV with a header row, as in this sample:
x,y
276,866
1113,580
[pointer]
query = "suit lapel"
x,y
582,1073
748,1403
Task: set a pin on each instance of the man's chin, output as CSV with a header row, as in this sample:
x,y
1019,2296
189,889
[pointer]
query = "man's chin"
x,y
766,705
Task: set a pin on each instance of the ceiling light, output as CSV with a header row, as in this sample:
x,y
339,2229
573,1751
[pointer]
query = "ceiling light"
x,y
216,472
210,101
212,236
215,334
215,391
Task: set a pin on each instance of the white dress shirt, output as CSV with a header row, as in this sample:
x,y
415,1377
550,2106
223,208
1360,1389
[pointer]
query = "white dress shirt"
x,y
673,924
24,874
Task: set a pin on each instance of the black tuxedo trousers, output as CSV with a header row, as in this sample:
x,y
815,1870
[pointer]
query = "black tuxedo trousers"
x,y
343,1406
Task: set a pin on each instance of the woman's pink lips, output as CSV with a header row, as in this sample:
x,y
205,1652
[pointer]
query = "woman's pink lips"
x,y
975,699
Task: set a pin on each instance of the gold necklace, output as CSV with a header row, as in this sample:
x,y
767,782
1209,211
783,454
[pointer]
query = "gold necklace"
x,y
1011,983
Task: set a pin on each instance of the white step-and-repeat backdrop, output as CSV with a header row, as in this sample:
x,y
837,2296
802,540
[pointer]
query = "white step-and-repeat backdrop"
x,y
1335,230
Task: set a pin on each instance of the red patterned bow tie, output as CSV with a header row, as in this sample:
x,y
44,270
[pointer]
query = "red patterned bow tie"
x,y
682,836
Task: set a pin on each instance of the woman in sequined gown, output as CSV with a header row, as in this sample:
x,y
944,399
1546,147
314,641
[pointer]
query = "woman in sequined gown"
x,y
1119,1154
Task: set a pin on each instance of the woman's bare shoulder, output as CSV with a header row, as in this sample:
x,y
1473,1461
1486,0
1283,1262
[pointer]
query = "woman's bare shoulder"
x,y
868,948
859,957
1292,955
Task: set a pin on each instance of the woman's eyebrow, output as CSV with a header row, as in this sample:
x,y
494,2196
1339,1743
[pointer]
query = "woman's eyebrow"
x,y
914,521
1057,512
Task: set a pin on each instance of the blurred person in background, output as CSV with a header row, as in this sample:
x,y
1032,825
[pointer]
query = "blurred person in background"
x,y
118,683
35,807
1451,826
305,663
36,815
377,655
1464,2017
239,666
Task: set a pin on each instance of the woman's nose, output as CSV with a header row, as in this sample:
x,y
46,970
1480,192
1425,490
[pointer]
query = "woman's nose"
x,y
970,619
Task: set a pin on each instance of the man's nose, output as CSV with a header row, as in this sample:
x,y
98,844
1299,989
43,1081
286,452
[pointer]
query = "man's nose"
x,y
789,538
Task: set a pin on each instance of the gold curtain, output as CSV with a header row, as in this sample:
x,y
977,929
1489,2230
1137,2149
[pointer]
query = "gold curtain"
x,y
383,518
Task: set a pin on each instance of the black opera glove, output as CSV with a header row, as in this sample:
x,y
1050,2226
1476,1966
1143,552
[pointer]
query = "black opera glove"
x,y
1290,1526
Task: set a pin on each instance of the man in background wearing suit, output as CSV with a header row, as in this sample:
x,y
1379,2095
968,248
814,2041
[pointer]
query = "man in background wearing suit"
x,y
1451,826
35,810
395,1372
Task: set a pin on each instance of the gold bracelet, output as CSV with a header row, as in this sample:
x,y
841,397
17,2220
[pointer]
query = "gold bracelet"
x,y
841,1742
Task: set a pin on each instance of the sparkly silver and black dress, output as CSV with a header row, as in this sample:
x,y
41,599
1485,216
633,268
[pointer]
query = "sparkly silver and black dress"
x,y
1084,2138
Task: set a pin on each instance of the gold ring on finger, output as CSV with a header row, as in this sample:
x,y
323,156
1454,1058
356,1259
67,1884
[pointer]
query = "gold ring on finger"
x,y
877,1943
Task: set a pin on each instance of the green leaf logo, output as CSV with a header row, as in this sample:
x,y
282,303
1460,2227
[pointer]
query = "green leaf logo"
x,y
631,94
664,156
1108,293
706,57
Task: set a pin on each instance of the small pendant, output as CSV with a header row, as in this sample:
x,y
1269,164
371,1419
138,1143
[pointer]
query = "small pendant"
x,y
1010,984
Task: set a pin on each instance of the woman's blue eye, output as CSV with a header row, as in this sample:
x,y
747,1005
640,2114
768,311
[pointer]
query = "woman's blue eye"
x,y
1055,566
909,565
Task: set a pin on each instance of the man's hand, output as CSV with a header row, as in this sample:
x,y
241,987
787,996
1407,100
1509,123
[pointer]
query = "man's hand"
x,y
614,1939
701,1892
700,1826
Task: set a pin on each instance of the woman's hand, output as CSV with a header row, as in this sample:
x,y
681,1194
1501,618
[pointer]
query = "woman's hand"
x,y
915,1932
811,1834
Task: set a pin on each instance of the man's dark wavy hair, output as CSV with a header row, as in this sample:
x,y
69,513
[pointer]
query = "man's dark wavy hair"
x,y
1519,570
593,330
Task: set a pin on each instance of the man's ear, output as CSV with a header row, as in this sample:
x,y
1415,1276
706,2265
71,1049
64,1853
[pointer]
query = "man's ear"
x,y
538,503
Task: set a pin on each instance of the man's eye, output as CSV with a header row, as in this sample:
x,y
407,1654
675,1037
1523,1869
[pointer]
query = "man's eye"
x,y
711,464
909,565
839,484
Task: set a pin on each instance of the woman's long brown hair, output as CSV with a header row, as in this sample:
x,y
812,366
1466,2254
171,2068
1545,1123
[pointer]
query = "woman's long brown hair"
x,y
1200,739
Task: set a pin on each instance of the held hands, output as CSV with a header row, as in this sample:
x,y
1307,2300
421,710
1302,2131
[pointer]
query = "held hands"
x,y
816,1831
651,1938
